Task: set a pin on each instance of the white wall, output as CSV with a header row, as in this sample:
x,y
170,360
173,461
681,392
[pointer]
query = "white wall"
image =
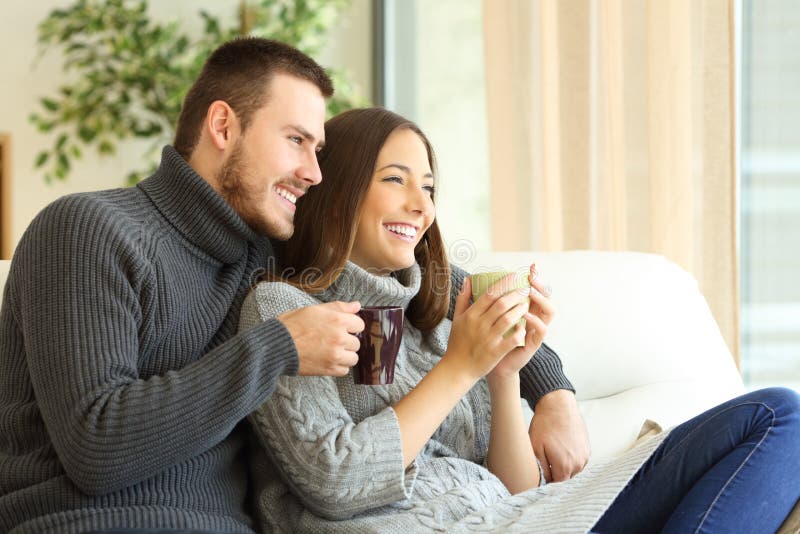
x,y
25,80
435,76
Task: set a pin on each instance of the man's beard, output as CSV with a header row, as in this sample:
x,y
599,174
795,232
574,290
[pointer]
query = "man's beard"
x,y
240,199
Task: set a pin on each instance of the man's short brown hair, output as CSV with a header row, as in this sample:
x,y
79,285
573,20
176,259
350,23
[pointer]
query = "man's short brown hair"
x,y
238,73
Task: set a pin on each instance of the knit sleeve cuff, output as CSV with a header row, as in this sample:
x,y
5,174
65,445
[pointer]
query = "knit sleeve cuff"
x,y
336,468
401,487
273,342
375,475
542,375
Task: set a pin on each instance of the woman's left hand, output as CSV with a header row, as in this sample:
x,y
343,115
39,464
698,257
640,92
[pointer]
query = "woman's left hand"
x,y
540,314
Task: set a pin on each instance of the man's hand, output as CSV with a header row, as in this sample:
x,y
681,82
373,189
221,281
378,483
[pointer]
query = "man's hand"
x,y
324,337
559,437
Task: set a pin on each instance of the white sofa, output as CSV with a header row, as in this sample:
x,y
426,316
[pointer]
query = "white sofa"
x,y
637,340
635,335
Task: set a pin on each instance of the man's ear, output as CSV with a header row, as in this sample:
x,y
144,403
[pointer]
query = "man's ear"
x,y
221,124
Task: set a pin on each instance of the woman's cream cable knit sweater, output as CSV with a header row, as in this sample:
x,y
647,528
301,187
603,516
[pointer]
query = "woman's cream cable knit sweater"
x,y
329,456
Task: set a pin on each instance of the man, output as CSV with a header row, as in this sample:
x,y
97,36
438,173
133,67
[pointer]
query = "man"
x,y
122,379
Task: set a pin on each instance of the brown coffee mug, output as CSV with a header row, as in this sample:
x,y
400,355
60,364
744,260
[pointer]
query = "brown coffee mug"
x,y
380,342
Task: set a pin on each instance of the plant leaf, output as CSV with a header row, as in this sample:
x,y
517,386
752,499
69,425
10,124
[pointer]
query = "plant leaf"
x,y
42,158
131,73
49,104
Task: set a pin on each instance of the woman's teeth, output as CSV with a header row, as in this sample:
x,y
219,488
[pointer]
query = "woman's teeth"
x,y
287,195
408,231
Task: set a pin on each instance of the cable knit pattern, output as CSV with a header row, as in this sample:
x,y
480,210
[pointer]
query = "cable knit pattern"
x,y
329,458
122,379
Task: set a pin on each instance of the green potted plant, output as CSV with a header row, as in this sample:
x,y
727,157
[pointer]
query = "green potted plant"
x,y
129,73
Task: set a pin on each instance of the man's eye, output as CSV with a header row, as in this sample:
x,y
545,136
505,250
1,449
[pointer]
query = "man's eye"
x,y
296,139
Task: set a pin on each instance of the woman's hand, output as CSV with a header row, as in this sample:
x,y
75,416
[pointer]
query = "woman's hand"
x,y
476,344
540,314
477,341
510,455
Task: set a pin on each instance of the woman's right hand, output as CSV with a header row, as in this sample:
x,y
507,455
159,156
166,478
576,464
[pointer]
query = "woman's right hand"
x,y
475,346
477,342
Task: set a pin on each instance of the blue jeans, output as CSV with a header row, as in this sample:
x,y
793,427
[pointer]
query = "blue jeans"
x,y
734,468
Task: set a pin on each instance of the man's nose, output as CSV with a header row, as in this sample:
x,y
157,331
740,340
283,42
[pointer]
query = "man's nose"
x,y
309,171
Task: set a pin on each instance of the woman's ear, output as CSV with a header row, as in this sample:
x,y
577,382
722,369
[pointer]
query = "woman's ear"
x,y
221,124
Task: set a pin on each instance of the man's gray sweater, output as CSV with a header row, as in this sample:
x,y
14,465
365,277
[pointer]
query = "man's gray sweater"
x,y
122,379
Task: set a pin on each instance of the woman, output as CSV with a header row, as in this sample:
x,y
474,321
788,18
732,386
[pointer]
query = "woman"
x,y
445,447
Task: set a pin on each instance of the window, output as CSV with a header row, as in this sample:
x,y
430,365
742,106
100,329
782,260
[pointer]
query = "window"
x,y
438,47
770,191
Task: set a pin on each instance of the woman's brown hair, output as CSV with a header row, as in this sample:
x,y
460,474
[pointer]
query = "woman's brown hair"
x,y
327,215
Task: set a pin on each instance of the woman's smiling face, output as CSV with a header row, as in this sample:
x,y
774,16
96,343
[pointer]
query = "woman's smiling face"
x,y
398,207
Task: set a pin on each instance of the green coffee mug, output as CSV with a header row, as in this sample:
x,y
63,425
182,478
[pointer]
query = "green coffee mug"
x,y
483,281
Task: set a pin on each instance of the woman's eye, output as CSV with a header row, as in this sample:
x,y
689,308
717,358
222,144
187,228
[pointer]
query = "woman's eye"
x,y
430,189
393,179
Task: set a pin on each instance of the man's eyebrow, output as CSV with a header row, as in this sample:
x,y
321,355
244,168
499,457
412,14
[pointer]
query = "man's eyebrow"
x,y
405,168
306,134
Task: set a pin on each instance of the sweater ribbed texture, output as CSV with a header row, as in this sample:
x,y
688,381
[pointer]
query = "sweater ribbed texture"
x,y
329,457
122,379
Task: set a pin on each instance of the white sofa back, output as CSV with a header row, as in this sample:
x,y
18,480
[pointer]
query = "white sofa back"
x,y
636,337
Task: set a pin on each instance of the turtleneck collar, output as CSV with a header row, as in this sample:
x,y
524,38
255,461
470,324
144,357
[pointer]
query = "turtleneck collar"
x,y
357,284
196,210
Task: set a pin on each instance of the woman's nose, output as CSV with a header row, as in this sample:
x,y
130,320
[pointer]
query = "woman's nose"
x,y
419,201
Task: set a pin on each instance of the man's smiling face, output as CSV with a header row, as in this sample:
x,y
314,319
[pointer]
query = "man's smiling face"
x,y
274,162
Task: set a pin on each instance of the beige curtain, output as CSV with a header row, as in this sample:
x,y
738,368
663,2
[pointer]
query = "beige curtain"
x,y
611,126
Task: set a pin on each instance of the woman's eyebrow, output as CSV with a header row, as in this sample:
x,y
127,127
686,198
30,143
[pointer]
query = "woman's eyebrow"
x,y
405,168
